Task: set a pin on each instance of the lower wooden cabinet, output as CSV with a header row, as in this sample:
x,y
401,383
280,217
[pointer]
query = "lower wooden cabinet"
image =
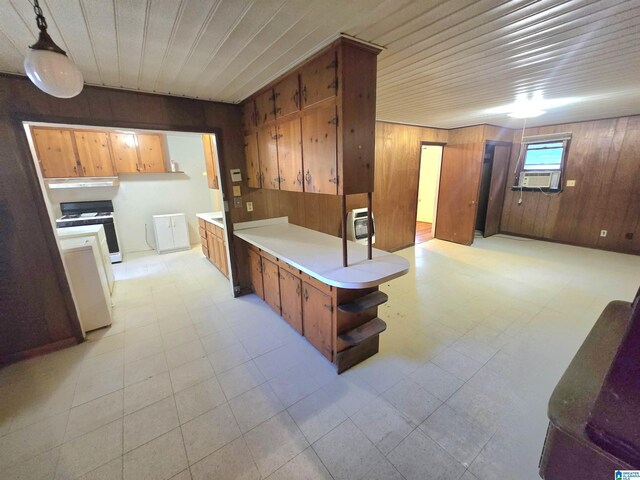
x,y
271,284
255,273
317,319
291,299
214,245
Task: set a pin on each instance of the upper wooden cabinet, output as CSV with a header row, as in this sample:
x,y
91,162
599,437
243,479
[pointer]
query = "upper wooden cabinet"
x,y
252,160
210,157
319,78
333,97
125,152
151,153
268,150
287,96
56,153
94,153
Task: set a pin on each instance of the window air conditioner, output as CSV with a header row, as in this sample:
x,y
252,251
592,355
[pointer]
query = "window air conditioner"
x,y
540,179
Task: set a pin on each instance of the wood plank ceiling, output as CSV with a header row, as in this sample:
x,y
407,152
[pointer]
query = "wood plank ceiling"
x,y
444,63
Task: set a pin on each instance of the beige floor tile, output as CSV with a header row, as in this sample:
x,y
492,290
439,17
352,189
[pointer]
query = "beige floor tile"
x,y
232,461
180,337
96,413
145,368
382,424
410,399
161,458
146,392
349,392
227,358
305,465
40,467
198,399
240,379
347,452
183,475
383,469
316,415
90,386
134,351
210,431
108,471
27,442
255,406
90,451
185,353
149,422
190,374
456,363
436,381
105,361
275,442
418,457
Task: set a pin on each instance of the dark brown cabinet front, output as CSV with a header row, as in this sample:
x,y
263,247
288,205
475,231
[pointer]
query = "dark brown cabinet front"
x,y
265,108
287,96
255,273
290,156
319,132
291,299
271,282
252,160
319,79
268,150
316,314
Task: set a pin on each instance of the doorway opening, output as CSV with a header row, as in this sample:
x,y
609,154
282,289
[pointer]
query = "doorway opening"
x,y
493,179
428,186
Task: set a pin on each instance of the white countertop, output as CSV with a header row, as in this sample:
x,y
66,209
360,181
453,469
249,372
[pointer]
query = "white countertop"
x,y
212,217
320,255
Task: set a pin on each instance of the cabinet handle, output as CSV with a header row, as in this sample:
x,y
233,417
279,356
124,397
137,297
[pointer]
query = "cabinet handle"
x,y
306,295
308,177
261,178
75,170
258,177
84,170
260,266
278,110
333,85
304,93
296,98
298,289
278,180
299,177
333,121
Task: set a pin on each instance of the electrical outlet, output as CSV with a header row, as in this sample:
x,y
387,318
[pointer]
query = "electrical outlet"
x,y
603,233
249,206
571,183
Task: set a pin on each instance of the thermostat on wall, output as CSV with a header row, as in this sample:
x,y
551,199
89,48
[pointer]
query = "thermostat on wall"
x,y
236,176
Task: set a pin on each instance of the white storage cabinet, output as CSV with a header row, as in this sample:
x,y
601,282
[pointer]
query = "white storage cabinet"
x,y
171,232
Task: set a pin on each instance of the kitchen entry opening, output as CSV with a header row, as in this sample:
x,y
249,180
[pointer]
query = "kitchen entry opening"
x,y
428,186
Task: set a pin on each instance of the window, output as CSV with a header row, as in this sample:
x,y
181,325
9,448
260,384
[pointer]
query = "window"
x,y
544,156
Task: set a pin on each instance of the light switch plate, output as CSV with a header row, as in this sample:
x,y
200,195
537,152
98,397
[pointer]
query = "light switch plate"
x,y
236,175
237,202
571,183
249,206
236,191
603,233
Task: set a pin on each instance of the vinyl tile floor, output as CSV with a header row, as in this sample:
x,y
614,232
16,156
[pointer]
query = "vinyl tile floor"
x,y
189,382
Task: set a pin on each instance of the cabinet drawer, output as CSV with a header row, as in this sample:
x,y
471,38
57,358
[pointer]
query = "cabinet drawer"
x,y
218,231
203,231
253,248
293,270
269,257
323,287
201,223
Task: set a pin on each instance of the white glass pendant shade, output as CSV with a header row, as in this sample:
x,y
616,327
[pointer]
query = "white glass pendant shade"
x,y
53,73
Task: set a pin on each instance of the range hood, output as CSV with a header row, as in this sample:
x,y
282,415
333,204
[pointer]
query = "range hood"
x,y
81,182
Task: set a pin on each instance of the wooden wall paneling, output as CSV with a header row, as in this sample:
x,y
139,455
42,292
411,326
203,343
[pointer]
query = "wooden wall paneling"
x,y
151,151
290,164
319,130
357,113
268,152
94,153
499,175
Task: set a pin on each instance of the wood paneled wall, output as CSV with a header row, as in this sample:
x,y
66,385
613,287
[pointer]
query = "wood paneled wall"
x,y
604,160
36,309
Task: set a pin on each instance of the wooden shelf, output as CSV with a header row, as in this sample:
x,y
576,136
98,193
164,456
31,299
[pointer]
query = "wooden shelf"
x,y
362,304
364,332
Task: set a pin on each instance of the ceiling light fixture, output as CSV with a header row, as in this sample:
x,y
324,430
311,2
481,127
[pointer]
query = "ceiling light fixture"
x,y
48,66
525,107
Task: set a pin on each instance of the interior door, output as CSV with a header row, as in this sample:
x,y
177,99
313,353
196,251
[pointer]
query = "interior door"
x,y
290,156
252,160
94,153
55,152
271,282
499,175
268,150
458,193
255,273
151,147
125,152
291,299
319,133
316,318
208,143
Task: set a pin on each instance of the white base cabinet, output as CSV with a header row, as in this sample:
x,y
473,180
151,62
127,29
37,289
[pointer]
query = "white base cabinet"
x,y
171,232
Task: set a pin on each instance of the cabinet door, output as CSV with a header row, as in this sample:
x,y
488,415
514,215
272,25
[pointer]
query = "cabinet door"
x,y
255,273
268,151
319,79
319,132
287,95
164,233
210,157
125,152
291,299
290,155
180,231
94,153
211,247
271,282
265,108
252,160
55,152
151,153
316,319
248,116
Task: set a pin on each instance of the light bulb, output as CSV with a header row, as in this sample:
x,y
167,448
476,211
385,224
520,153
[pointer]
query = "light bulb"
x,y
53,73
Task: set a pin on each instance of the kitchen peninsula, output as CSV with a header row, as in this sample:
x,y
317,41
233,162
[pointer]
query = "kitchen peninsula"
x,y
214,240
299,273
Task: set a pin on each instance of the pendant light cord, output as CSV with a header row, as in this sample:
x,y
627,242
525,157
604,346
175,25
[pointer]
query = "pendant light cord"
x,y
40,20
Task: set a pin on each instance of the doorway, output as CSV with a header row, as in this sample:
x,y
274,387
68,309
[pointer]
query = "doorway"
x,y
428,186
495,165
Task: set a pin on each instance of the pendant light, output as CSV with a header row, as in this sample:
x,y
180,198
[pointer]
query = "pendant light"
x,y
48,66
